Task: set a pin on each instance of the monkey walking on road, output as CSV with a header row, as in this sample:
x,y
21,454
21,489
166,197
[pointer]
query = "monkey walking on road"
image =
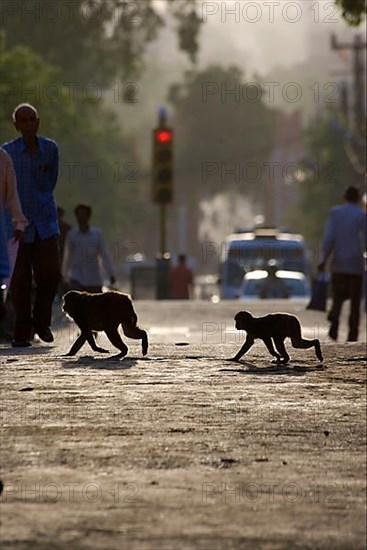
x,y
275,328
103,312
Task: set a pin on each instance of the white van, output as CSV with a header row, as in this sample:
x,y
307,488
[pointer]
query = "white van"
x,y
254,250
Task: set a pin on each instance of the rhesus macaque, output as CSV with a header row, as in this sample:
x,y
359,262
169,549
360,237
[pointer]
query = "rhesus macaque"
x,y
103,312
275,328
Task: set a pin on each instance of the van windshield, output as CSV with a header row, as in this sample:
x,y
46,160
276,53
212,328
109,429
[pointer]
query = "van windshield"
x,y
245,256
291,288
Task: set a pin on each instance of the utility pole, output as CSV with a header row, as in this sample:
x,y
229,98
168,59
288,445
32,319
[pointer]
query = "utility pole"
x,y
358,47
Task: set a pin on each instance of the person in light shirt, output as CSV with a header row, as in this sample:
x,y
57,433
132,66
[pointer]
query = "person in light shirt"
x,y
9,199
345,243
85,249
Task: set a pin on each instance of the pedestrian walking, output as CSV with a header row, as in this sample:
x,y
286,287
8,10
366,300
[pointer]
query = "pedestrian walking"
x,y
36,164
85,249
64,228
181,279
345,242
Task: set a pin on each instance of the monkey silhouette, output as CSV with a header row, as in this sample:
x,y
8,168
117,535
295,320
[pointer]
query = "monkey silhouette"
x,y
103,312
273,329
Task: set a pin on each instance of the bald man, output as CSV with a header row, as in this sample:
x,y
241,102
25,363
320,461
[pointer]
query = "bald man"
x,y
36,164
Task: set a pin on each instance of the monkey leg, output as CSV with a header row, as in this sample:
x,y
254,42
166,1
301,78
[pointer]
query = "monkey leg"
x,y
279,344
93,345
91,341
269,344
79,342
137,334
86,334
306,344
249,342
115,339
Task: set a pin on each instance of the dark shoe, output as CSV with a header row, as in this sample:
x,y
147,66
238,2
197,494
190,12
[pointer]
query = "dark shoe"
x,y
21,344
333,333
44,333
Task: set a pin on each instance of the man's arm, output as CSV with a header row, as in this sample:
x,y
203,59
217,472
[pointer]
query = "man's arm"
x,y
55,167
364,232
66,260
49,169
106,261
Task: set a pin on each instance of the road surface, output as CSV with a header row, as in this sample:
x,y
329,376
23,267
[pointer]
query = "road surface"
x,y
183,450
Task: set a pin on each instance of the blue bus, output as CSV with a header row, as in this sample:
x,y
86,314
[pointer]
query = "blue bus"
x,y
252,250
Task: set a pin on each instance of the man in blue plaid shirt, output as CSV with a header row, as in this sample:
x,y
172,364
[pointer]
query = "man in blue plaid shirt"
x,y
36,163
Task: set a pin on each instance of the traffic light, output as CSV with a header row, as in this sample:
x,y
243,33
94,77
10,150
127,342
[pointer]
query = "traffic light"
x,y
162,188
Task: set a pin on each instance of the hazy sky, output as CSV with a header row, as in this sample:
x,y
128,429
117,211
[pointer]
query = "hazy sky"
x,y
261,35
285,34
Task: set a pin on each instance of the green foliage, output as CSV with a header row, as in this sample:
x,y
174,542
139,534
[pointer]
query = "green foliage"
x,y
25,77
328,172
354,11
96,41
97,164
189,24
222,128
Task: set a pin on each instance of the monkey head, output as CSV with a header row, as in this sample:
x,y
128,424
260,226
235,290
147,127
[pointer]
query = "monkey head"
x,y
243,320
69,302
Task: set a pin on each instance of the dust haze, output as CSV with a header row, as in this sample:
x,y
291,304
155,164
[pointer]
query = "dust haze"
x,y
276,48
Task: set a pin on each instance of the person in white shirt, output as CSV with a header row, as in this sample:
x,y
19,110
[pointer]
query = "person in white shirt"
x,y
85,249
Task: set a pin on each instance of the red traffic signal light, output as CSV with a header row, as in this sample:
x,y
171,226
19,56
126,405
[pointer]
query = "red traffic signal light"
x,y
163,136
162,166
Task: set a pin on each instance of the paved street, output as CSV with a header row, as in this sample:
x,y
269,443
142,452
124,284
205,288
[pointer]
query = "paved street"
x,y
182,450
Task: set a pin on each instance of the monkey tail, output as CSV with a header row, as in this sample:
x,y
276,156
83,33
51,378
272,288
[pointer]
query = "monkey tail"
x,y
129,315
297,329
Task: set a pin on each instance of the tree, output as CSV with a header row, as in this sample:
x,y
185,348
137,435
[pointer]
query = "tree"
x,y
100,40
224,134
354,11
98,165
327,172
97,41
223,125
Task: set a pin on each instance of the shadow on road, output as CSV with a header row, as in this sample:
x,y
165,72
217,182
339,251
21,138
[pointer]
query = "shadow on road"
x,y
289,370
114,362
37,350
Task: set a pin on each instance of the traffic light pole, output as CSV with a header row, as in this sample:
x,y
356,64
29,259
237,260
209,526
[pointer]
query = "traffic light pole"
x,y
163,261
162,193
163,229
